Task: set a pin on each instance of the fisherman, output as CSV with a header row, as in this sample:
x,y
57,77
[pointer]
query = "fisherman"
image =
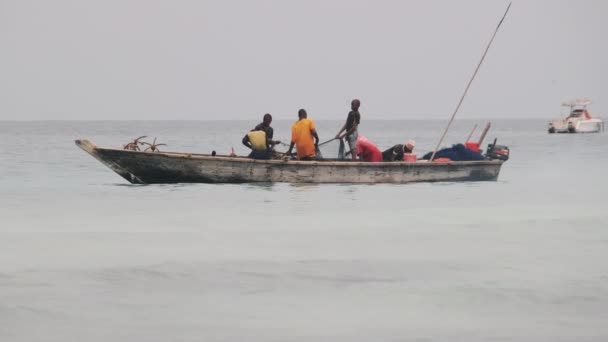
x,y
302,133
265,126
257,142
396,152
350,127
368,151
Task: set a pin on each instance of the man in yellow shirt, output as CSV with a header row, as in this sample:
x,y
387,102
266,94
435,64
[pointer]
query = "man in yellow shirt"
x,y
302,133
257,142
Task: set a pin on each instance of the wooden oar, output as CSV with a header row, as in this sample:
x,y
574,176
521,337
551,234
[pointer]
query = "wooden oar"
x,y
483,134
469,84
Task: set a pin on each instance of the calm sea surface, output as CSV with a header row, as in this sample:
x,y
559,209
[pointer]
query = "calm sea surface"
x,y
84,256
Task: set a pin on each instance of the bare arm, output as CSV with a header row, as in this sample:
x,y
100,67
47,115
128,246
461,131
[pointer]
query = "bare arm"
x,y
341,130
315,135
269,142
246,142
293,141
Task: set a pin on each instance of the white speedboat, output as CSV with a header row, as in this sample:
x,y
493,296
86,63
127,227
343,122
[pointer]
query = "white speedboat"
x,y
578,121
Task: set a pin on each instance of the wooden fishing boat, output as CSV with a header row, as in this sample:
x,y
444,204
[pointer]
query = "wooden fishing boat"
x,y
171,167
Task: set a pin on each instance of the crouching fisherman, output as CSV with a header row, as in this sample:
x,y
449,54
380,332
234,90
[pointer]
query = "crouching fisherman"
x,y
367,150
396,152
257,142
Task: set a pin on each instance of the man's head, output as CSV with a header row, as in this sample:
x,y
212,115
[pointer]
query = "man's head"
x,y
302,114
267,119
355,104
410,144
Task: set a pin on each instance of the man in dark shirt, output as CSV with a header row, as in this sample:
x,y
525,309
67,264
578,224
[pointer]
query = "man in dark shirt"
x,y
396,152
350,127
265,126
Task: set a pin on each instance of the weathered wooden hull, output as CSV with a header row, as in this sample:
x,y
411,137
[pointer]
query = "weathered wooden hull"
x,y
168,167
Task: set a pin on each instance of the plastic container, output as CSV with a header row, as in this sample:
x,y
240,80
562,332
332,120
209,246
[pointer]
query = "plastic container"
x,y
409,157
473,146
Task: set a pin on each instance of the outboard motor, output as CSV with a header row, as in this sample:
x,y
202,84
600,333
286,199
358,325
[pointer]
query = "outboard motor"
x,y
499,152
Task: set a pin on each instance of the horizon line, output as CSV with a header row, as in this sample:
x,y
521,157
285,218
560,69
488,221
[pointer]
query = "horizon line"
x,y
258,119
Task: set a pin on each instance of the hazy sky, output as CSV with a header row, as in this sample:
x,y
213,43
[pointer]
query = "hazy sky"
x,y
144,59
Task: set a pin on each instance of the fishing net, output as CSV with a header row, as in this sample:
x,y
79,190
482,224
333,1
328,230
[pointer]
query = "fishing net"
x,y
330,150
333,150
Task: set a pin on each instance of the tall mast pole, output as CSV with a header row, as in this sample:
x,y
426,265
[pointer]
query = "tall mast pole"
x,y
469,84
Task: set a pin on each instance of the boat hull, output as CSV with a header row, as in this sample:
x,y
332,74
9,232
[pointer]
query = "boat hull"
x,y
576,126
168,167
588,126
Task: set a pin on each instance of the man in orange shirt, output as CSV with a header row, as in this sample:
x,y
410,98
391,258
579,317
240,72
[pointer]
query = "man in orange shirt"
x,y
302,133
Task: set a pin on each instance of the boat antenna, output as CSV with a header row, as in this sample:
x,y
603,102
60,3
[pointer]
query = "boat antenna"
x,y
469,84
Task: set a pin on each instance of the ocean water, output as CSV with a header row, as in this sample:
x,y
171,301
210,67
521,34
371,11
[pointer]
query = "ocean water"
x,y
84,256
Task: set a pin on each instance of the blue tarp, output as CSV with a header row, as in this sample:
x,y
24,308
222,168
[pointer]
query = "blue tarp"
x,y
456,153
